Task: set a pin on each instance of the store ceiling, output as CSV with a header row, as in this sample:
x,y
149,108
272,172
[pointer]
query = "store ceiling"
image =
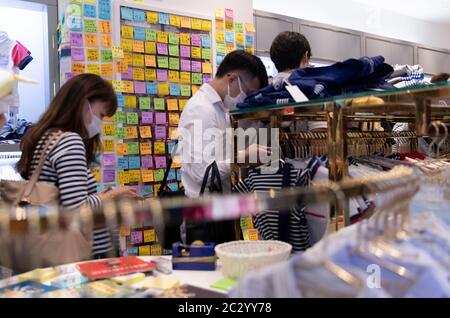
x,y
437,11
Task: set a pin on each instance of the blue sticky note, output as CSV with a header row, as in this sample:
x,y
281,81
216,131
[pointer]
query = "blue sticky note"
x,y
229,37
138,15
170,146
126,13
122,163
172,175
74,23
219,59
239,47
134,162
104,9
152,88
139,34
179,174
132,251
173,186
174,89
146,189
206,41
163,18
249,40
99,188
120,100
89,10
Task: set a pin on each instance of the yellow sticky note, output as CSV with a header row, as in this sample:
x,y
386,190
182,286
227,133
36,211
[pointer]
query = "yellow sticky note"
x,y
220,25
131,132
220,36
174,20
159,147
108,130
90,39
240,39
173,135
147,176
185,22
138,60
150,74
146,148
104,26
106,70
130,101
172,104
174,118
207,67
122,149
252,234
138,74
96,173
195,88
219,13
185,77
127,32
206,25
152,17
229,25
160,282
149,236
174,76
150,61
145,132
196,52
196,24
230,48
126,45
93,69
182,103
185,39
92,55
106,41
156,249
128,57
138,46
249,28
117,52
123,177
117,86
150,47
78,68
108,145
163,89
128,87
135,175
144,250
162,37
122,66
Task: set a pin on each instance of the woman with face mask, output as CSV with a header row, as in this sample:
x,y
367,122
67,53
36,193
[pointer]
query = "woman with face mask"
x,y
78,110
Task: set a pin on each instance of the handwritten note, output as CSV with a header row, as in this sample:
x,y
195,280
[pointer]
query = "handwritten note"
x,y
196,40
147,162
138,60
174,118
106,56
138,15
144,102
160,118
207,67
134,162
145,131
139,34
174,76
104,26
131,132
185,51
185,65
138,74
120,117
122,149
126,45
174,50
185,39
126,13
117,52
196,52
150,47
174,89
185,22
174,63
104,9
162,37
163,18
196,66
159,147
135,175
163,62
206,54
185,90
76,39
90,25
150,61
158,175
160,132
160,162
133,148
174,38
146,148
147,117
106,40
77,54
197,78
122,163
161,48
91,40
139,88
163,89
109,159
123,177
147,176
108,145
207,78
174,20
130,101
119,133
161,75
172,104
159,104
206,41
152,88
185,77
106,70
109,176
138,46
152,17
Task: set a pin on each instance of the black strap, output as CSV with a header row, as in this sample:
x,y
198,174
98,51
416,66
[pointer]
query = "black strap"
x,y
215,184
284,216
163,186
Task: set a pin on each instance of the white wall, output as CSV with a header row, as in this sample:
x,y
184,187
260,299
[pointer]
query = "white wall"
x,y
27,23
362,17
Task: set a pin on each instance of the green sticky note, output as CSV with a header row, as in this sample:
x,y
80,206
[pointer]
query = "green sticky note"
x,y
206,53
150,35
133,148
174,50
220,48
225,284
185,90
159,104
197,78
90,26
174,38
132,118
144,102
174,63
238,27
119,133
120,118
163,62
158,175
106,56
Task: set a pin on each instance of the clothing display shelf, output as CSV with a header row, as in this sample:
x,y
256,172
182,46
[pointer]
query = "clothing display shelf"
x,y
420,105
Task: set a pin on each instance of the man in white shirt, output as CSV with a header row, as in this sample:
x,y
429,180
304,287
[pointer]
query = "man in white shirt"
x,y
205,119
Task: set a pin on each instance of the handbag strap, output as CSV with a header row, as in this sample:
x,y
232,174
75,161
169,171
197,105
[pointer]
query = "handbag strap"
x,y
205,179
169,166
44,155
215,176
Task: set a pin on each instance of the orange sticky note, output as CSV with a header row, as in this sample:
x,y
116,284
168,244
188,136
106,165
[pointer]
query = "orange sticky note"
x,y
108,130
126,45
185,77
174,76
252,234
173,135
172,104
150,61
106,70
138,60
174,20
90,39
138,46
146,148
150,47
123,177
131,132
106,41
163,89
128,57
249,28
122,66
147,175
122,149
185,22
196,52
145,131
104,26
174,118
135,175
78,68
230,48
207,68
108,145
162,37
138,74
150,74
128,87
127,31
92,55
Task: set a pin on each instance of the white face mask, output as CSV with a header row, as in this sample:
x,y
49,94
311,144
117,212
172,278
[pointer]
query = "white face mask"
x,y
231,102
95,126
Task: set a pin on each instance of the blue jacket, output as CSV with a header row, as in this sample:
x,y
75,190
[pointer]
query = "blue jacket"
x,y
349,76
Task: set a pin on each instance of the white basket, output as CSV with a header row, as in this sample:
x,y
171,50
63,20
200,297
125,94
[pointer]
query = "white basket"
x,y
241,257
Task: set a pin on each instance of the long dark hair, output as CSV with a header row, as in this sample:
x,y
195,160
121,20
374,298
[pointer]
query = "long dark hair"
x,y
66,113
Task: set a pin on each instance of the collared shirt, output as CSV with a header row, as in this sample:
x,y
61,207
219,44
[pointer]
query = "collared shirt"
x,y
202,133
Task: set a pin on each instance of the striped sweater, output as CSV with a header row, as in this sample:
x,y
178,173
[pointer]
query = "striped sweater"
x,y
66,167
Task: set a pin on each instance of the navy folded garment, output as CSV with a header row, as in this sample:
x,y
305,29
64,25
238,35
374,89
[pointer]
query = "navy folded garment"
x,y
349,76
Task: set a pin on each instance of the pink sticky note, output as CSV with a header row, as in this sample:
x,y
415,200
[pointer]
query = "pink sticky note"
x,y
68,76
161,75
140,88
185,65
109,176
77,54
207,78
162,48
109,159
185,51
228,14
160,118
76,39
136,237
196,67
147,117
160,132
160,162
147,162
196,40
128,75
137,188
